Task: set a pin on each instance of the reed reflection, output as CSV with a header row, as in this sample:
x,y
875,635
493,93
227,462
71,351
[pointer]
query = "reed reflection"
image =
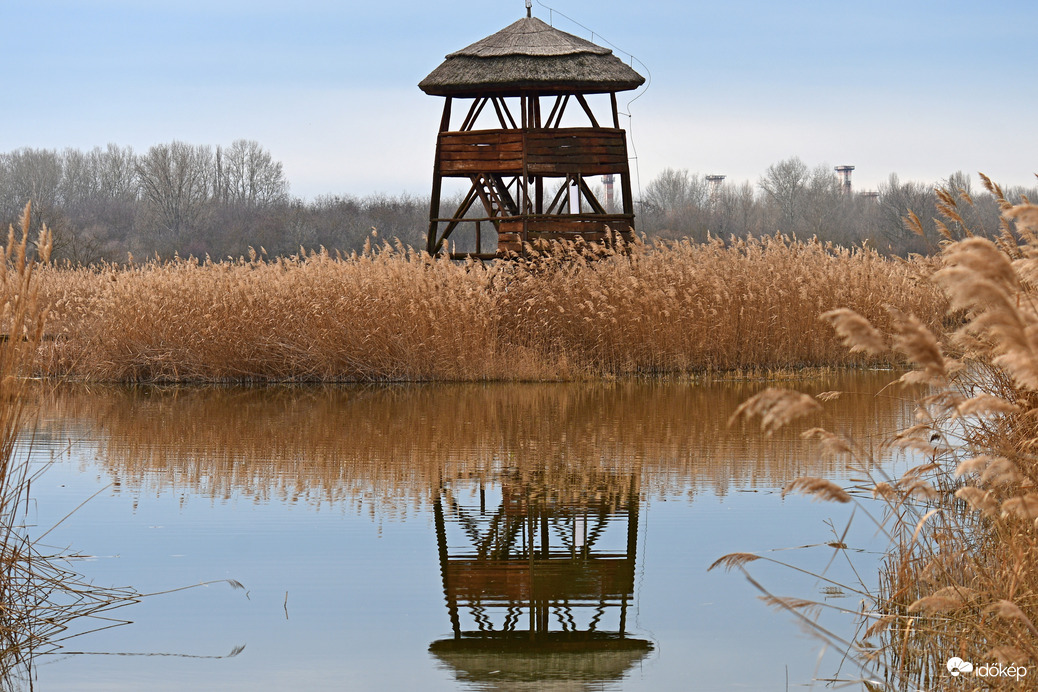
x,y
538,570
386,450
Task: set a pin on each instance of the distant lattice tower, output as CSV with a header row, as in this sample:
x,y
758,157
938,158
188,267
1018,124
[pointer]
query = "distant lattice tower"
x,y
715,187
526,173
845,178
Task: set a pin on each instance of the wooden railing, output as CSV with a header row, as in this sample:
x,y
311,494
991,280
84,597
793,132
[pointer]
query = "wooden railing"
x,y
550,152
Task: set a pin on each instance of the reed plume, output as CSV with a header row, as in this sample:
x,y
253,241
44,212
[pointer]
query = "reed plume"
x,y
961,576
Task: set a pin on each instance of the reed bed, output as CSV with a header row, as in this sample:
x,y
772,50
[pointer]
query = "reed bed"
x,y
40,597
957,604
394,314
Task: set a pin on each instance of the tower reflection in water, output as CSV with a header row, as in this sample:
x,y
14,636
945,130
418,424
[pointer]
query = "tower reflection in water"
x,y
538,572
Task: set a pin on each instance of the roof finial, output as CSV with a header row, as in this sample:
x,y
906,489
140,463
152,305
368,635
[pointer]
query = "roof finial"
x,y
529,6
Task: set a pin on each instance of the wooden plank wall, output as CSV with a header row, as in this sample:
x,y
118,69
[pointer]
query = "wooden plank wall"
x,y
587,151
564,227
481,151
549,152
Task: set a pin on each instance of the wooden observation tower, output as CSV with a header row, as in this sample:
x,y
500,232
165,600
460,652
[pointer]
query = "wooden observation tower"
x,y
527,141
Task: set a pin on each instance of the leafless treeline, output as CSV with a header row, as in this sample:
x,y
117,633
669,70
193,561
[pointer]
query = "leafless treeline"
x,y
187,199
219,201
792,198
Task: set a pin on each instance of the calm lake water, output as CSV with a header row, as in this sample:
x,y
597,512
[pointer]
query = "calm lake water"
x,y
512,537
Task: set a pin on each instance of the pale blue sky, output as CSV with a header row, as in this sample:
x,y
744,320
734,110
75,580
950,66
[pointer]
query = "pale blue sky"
x,y
914,87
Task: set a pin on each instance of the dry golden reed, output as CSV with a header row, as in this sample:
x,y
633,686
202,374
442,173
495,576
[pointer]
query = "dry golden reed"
x,y
25,579
40,596
394,314
961,577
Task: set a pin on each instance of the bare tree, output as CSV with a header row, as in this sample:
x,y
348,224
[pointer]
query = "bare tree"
x,y
737,211
79,183
247,175
176,181
822,198
784,184
99,193
677,202
32,175
116,171
897,199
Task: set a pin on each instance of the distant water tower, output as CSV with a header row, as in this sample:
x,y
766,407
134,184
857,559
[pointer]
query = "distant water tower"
x,y
607,180
715,187
845,178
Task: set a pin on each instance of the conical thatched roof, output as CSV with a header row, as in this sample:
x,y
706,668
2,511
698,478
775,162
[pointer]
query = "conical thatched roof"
x,y
530,56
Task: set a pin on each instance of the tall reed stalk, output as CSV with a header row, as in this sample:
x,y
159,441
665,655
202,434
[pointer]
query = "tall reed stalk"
x,y
22,321
957,602
39,595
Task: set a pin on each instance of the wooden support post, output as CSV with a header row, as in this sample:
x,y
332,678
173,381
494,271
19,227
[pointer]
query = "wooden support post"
x,y
557,111
488,196
507,112
434,213
434,199
474,111
587,109
563,190
459,215
590,196
625,187
530,557
441,542
633,506
524,231
538,181
522,183
445,119
505,199
545,542
500,115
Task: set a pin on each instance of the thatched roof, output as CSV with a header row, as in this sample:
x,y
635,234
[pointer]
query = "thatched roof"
x,y
530,56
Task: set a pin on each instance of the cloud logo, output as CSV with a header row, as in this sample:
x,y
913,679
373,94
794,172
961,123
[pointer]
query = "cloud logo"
x,y
956,665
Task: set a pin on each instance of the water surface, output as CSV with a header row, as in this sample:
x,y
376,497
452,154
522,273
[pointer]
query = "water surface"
x,y
446,537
